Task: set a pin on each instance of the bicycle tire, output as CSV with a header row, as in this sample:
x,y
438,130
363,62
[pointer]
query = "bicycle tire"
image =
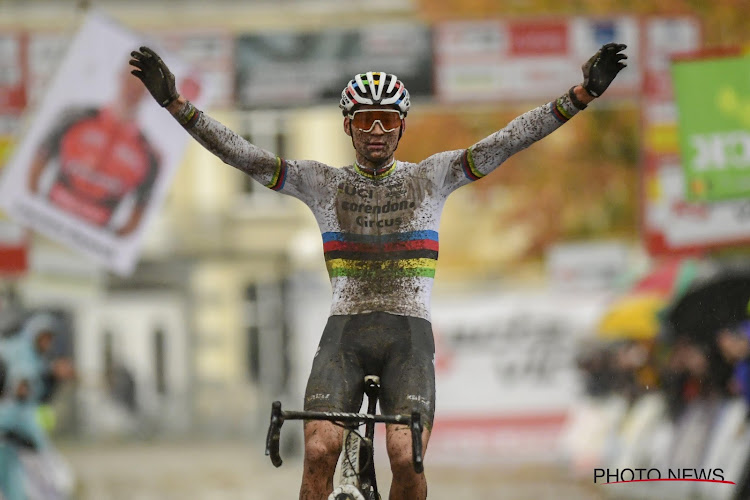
x,y
347,492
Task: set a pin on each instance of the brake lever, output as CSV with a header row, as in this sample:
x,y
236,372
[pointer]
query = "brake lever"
x,y
274,434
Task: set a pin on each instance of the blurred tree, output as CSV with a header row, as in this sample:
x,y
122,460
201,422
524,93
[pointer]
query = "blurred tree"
x,y
578,183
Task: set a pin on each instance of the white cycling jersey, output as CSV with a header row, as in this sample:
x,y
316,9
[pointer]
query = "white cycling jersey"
x,y
380,231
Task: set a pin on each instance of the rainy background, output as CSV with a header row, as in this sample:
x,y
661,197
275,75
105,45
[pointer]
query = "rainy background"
x,y
592,299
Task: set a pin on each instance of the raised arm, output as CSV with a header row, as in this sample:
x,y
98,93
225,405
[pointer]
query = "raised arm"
x,y
263,166
598,72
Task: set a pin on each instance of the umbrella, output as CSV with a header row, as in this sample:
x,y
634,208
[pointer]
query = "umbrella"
x,y
636,314
710,304
633,317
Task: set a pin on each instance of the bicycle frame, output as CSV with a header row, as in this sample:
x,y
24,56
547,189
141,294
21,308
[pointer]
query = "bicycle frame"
x,y
352,445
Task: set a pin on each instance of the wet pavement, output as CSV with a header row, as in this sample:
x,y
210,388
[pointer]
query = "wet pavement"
x,y
236,470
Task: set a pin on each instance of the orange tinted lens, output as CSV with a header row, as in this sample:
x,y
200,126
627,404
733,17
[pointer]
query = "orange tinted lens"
x,y
364,120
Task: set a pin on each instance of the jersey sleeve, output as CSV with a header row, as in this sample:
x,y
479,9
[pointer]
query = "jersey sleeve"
x,y
304,180
445,171
456,168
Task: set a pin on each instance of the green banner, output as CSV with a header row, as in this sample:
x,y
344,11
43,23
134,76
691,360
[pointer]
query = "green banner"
x,y
713,101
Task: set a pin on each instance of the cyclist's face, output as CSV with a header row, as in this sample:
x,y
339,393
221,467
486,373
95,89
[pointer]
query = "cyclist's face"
x,y
375,133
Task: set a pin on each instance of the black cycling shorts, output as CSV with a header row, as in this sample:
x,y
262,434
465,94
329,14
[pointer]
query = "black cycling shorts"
x,y
398,349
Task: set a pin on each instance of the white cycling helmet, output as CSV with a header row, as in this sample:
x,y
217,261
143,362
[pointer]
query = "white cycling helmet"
x,y
375,87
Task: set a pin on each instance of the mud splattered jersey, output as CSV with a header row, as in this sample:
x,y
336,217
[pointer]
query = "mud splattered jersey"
x,y
380,232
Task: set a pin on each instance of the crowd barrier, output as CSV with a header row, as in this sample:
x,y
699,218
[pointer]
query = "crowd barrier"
x,y
697,455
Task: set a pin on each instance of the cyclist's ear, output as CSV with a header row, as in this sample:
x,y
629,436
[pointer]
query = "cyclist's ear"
x,y
347,126
403,128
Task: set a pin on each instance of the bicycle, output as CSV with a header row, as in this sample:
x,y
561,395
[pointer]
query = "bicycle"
x,y
358,480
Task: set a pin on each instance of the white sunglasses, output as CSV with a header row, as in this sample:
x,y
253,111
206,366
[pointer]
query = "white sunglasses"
x,y
365,119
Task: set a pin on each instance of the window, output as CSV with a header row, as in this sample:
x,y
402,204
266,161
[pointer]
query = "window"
x,y
267,130
253,334
267,336
160,370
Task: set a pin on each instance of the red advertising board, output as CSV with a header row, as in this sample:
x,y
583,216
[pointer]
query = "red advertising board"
x,y
528,39
13,73
13,249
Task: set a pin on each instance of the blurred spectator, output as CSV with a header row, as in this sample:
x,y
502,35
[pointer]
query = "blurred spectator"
x,y
19,430
625,368
31,347
31,379
683,375
634,362
734,345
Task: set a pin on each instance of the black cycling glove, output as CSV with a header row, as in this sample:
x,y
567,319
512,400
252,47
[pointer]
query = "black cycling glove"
x,y
602,68
155,75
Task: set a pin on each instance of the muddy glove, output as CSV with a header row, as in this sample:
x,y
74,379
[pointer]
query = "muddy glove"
x,y
602,68
154,74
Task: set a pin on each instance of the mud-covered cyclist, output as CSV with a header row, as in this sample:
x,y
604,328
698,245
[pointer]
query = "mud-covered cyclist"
x,y
379,220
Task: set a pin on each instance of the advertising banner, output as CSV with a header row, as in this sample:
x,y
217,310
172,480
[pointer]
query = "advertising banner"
x,y
506,375
670,222
713,96
99,154
286,69
527,59
675,225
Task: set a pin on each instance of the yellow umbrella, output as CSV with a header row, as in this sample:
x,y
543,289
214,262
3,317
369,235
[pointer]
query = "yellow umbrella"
x,y
633,317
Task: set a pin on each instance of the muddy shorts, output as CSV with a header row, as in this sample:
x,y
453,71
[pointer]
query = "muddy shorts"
x,y
398,349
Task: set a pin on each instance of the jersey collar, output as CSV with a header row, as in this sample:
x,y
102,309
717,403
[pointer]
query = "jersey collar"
x,y
378,174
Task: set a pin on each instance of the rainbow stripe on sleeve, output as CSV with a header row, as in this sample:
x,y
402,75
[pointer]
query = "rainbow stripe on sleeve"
x,y
559,112
410,254
470,170
279,175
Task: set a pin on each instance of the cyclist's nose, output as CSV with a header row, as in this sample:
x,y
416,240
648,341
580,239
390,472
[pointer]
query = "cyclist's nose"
x,y
377,128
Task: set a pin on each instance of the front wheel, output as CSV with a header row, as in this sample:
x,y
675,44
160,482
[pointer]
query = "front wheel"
x,y
346,492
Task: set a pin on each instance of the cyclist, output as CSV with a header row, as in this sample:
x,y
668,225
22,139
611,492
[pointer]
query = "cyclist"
x,y
379,219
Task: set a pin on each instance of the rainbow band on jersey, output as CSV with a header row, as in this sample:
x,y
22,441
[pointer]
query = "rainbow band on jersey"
x,y
470,170
411,254
188,115
559,111
279,175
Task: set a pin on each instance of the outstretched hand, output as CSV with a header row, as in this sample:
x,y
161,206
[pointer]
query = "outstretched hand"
x,y
154,74
602,68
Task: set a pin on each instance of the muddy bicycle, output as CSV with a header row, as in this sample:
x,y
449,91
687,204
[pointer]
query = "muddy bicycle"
x,y
358,480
